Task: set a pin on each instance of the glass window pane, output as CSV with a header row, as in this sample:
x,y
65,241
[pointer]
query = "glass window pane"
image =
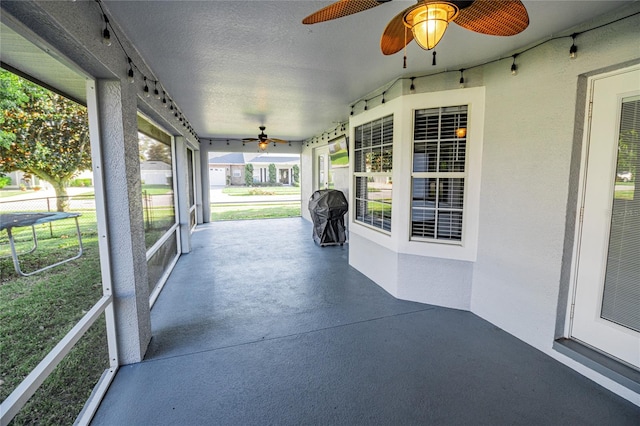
x,y
621,296
373,157
157,188
161,259
439,148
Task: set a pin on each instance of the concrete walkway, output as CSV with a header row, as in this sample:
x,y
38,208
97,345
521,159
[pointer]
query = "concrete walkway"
x,y
259,326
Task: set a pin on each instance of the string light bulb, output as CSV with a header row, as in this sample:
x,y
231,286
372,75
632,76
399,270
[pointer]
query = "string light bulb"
x,y
130,75
351,110
164,99
573,50
156,92
514,67
412,88
366,107
106,35
146,88
383,100
462,78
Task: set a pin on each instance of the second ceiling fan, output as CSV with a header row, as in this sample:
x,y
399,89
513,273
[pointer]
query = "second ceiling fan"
x,y
427,21
263,139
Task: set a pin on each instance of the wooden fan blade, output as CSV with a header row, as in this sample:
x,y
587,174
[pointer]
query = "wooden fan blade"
x,y
341,8
494,17
395,36
250,140
276,140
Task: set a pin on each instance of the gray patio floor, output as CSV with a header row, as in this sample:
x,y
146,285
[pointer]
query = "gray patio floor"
x,y
259,326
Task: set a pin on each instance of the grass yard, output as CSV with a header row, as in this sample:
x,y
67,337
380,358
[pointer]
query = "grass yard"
x,y
254,211
157,189
35,314
625,191
5,193
261,190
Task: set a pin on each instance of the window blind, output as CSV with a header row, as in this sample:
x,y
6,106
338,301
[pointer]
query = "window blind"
x,y
439,172
373,165
621,299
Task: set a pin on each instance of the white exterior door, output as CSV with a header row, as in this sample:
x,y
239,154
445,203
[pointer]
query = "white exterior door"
x,y
606,314
323,178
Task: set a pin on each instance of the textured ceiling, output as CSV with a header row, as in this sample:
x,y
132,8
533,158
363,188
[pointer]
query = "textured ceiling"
x,y
234,65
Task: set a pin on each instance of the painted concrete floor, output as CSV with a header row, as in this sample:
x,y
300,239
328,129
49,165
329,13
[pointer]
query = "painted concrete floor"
x,y
259,326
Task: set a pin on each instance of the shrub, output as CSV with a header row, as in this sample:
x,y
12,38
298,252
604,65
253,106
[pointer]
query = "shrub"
x,y
272,174
248,174
4,180
296,175
81,182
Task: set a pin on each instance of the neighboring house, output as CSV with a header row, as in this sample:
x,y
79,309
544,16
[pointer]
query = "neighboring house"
x,y
229,169
284,167
18,179
155,173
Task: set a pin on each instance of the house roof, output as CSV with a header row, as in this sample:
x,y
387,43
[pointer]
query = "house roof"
x,y
154,165
268,159
231,158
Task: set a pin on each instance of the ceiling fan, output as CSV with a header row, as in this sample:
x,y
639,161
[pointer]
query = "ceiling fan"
x,y
428,19
263,139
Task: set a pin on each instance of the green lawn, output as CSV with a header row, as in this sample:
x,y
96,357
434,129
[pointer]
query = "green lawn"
x,y
261,190
4,193
37,311
253,211
157,189
628,193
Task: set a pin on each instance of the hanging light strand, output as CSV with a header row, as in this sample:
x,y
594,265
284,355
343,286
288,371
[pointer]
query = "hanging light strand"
x,y
573,50
108,35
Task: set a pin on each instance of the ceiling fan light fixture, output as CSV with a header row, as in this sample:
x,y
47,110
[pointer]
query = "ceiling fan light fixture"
x,y
263,145
428,21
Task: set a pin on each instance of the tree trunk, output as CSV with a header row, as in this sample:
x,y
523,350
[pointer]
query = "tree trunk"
x,y
62,200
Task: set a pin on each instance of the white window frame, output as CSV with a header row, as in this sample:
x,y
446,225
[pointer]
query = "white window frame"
x,y
439,176
403,107
388,175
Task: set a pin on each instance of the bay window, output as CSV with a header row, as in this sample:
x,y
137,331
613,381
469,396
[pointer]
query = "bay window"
x,y
438,173
373,158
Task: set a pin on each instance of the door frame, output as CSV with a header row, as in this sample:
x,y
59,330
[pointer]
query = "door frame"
x,y
582,187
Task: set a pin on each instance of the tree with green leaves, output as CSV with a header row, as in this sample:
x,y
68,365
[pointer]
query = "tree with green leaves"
x,y
272,174
248,174
296,174
42,133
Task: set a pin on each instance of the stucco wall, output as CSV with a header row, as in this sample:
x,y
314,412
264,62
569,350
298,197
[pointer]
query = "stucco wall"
x,y
533,131
528,146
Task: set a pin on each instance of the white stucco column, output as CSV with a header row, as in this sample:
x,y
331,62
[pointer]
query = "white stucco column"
x,y
182,175
117,109
204,176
